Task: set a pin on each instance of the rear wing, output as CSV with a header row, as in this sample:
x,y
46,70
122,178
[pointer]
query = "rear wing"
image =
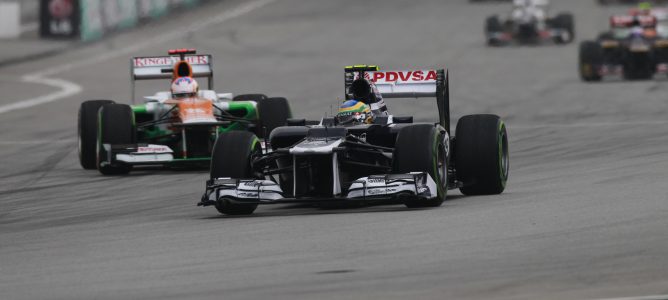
x,y
407,84
162,67
624,21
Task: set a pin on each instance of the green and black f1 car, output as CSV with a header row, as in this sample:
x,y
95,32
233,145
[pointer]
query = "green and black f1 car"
x,y
163,131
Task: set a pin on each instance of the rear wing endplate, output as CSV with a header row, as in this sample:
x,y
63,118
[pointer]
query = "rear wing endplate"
x,y
407,84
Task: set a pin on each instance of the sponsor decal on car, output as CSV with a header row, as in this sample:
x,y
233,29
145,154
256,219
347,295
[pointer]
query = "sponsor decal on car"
x,y
168,61
154,149
418,76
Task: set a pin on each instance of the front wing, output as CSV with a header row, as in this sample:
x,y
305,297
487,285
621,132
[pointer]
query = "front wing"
x,y
405,187
143,154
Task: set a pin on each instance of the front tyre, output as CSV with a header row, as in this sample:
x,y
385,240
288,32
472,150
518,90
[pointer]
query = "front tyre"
x,y
87,131
232,155
421,148
481,154
116,126
590,61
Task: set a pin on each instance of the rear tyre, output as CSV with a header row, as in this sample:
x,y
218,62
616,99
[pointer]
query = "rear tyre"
x,y
249,97
493,25
273,112
590,61
481,154
232,155
421,148
565,21
87,132
116,126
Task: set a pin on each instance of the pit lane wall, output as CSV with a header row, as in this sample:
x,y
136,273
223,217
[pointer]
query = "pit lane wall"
x,y
89,20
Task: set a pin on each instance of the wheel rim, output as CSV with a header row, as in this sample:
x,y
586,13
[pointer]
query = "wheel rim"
x,y
504,160
441,166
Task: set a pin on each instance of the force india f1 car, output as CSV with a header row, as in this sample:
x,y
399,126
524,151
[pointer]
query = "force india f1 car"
x,y
165,131
632,49
529,24
390,161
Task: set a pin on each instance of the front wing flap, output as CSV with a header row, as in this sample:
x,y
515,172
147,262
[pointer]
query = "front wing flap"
x,y
416,185
137,154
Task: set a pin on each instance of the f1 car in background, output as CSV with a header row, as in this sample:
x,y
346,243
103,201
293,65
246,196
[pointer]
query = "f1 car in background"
x,y
164,131
390,161
529,23
631,49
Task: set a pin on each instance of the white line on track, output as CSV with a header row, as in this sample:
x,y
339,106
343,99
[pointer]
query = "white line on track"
x,y
655,297
67,88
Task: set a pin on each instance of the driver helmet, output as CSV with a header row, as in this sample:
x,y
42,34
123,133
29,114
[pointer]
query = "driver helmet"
x,y
353,112
184,87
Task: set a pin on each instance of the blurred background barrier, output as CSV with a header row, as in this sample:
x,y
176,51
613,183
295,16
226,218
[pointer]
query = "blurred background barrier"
x,y
10,22
89,20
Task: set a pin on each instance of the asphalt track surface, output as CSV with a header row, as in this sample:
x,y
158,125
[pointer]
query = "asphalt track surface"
x,y
585,214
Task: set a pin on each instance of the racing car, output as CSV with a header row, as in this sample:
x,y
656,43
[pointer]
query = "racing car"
x,y
529,23
163,130
389,161
632,49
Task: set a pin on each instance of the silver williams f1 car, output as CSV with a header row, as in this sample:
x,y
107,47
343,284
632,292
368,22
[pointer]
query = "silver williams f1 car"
x,y
389,161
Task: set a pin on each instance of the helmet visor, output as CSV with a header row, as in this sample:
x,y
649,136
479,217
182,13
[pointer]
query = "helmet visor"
x,y
352,118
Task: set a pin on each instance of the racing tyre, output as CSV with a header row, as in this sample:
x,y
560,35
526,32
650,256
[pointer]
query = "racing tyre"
x,y
565,21
590,61
116,126
481,154
249,97
87,131
231,158
421,148
273,112
493,25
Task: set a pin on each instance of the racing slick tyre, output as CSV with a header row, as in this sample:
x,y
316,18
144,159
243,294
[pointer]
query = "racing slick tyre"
x,y
421,148
493,25
116,126
87,131
273,112
249,97
590,61
231,158
565,22
481,154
